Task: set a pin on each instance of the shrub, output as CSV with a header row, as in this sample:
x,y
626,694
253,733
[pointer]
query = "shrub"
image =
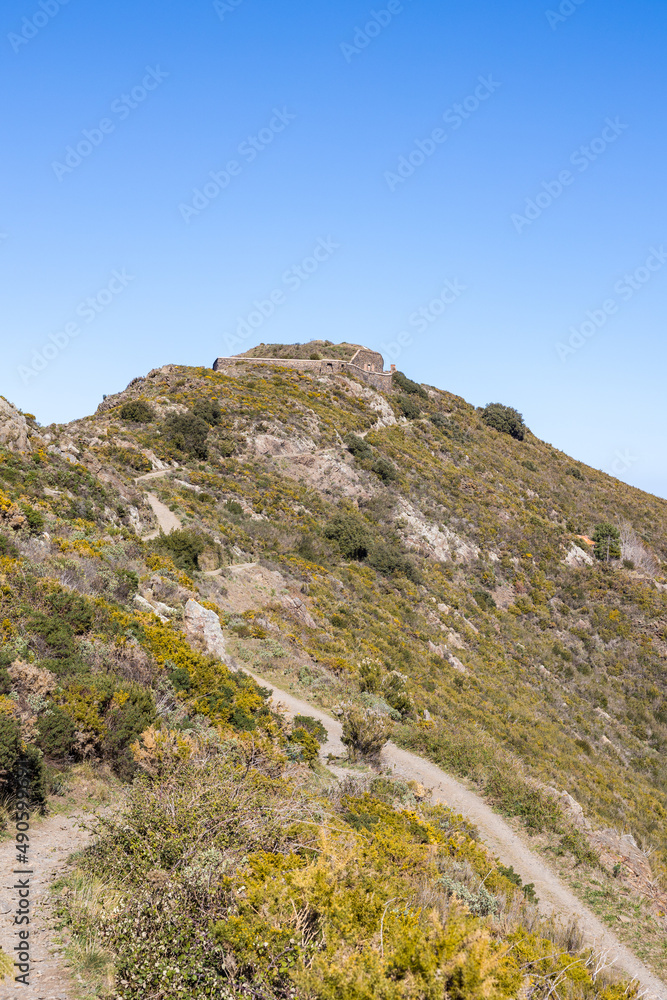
x,y
408,407
7,548
529,465
408,386
56,733
504,419
187,433
607,540
484,599
208,410
137,411
350,532
575,472
387,559
358,447
313,726
306,745
184,546
73,610
5,680
232,507
365,733
385,470
35,520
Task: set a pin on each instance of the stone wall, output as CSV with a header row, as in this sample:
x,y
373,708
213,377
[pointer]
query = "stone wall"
x,y
326,366
368,360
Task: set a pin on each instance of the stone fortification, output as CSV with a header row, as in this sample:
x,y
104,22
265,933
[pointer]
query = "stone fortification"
x,y
365,364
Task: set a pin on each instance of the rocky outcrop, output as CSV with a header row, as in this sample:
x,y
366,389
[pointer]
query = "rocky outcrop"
x,y
13,428
203,627
577,557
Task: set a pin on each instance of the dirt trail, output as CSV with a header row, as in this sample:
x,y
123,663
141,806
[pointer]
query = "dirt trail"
x,y
166,518
51,843
555,897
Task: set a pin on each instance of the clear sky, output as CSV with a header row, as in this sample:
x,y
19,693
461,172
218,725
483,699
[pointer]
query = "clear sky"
x,y
476,189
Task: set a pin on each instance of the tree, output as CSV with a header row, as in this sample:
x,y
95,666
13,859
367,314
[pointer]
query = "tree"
x,y
607,540
505,419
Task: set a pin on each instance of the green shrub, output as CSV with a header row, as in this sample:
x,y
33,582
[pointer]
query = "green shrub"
x,y
388,559
365,733
385,470
137,411
56,733
232,507
180,678
57,635
607,540
34,518
72,609
184,546
7,548
484,599
576,843
528,464
408,407
226,446
350,532
186,433
305,744
124,725
5,681
575,472
358,447
408,386
504,419
208,410
313,726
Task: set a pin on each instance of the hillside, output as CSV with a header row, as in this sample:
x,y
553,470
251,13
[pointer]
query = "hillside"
x,y
389,551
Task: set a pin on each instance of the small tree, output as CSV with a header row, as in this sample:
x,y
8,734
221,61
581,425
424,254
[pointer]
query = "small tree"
x,y
505,419
607,540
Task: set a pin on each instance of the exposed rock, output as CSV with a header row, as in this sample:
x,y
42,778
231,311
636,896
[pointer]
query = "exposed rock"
x,y
203,626
441,544
145,605
455,662
577,557
267,444
299,610
570,806
13,428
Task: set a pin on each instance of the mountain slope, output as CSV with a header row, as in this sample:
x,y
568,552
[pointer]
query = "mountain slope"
x,y
427,567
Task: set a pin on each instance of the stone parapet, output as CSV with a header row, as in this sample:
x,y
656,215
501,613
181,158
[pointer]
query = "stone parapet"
x,y
325,366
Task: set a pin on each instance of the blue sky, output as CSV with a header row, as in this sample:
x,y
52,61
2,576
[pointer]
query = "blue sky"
x,y
515,151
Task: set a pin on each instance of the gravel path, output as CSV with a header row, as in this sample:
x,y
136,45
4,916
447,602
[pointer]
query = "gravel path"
x,y
52,841
555,897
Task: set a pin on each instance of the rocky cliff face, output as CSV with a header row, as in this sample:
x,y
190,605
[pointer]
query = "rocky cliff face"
x,y
13,428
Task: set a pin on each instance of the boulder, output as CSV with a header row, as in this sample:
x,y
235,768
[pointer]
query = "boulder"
x,y
13,428
203,627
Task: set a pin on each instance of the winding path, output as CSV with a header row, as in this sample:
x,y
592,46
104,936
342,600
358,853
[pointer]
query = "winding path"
x,y
555,897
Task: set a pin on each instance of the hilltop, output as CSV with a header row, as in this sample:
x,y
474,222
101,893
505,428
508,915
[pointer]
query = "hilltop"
x,y
384,549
